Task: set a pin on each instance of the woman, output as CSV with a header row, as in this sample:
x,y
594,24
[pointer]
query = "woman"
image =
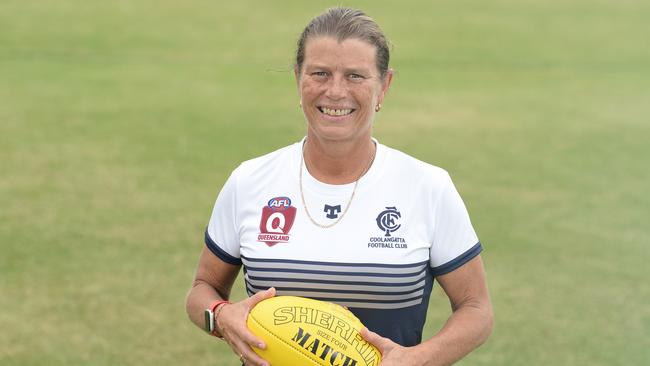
x,y
342,218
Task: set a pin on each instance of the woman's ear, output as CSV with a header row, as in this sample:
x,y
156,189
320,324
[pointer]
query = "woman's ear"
x,y
388,79
296,73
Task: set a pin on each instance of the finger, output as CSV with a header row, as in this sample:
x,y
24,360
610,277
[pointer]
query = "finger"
x,y
370,336
238,334
252,341
244,350
262,295
248,337
383,344
254,359
248,356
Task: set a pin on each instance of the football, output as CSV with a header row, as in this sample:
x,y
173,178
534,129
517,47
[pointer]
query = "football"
x,y
300,331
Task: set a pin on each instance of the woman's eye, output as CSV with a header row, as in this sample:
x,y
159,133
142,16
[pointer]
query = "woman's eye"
x,y
356,77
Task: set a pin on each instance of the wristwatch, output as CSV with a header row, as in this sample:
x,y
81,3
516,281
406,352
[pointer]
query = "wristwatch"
x,y
211,314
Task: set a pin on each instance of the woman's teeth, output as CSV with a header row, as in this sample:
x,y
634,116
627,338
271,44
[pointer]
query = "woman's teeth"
x,y
335,112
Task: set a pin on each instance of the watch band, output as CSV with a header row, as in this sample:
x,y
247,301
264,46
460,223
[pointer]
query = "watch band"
x,y
211,314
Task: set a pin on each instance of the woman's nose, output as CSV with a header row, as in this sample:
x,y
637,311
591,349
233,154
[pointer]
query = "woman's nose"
x,y
336,89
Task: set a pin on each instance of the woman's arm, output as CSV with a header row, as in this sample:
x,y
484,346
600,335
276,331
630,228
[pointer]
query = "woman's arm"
x,y
213,281
468,327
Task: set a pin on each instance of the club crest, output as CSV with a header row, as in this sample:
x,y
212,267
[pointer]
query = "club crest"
x,y
277,218
387,220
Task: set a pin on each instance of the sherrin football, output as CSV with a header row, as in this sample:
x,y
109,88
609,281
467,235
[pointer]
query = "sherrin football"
x,y
303,332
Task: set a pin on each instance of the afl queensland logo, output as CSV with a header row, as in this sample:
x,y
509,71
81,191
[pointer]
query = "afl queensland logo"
x,y
387,220
277,218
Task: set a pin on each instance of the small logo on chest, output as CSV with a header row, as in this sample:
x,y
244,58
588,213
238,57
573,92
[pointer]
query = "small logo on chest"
x,y
388,221
276,221
332,211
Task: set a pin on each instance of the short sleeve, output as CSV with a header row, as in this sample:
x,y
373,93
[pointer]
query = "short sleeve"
x,y
221,235
454,239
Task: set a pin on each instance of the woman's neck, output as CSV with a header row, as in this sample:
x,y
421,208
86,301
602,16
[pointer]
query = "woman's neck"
x,y
338,162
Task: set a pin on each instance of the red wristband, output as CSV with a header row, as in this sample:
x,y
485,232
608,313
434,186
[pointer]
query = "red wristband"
x,y
215,308
216,303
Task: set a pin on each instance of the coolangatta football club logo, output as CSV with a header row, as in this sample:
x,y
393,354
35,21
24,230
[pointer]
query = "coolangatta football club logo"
x,y
276,222
388,222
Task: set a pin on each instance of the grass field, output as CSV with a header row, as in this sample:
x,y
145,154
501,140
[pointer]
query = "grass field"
x,y
120,121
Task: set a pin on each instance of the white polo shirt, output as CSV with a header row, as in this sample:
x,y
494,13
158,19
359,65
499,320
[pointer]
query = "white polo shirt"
x,y
405,225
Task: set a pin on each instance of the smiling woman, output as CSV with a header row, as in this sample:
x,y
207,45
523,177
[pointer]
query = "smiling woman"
x,y
341,89
359,237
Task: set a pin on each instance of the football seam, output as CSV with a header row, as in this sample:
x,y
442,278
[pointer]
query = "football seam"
x,y
309,357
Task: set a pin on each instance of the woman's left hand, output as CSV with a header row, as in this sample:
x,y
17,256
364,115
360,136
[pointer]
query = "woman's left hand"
x,y
392,354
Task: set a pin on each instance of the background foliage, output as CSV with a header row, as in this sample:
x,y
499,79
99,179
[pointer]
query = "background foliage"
x,y
120,120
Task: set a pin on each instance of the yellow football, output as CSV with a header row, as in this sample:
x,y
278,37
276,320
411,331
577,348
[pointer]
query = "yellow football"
x,y
301,332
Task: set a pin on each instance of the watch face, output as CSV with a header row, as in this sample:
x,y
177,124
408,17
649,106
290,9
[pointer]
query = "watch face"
x,y
209,321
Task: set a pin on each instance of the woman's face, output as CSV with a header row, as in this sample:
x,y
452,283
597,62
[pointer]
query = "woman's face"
x,y
339,87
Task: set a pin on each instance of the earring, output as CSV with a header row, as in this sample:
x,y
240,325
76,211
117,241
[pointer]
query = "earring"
x,y
300,104
378,107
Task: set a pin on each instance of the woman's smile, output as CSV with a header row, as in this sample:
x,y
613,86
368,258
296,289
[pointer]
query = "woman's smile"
x,y
335,112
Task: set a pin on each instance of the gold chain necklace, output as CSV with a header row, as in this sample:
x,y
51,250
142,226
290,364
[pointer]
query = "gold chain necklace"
x,y
354,190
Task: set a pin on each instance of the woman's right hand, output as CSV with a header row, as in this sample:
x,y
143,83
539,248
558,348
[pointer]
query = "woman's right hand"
x,y
231,324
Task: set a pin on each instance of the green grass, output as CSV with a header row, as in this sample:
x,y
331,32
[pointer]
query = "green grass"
x,y
119,121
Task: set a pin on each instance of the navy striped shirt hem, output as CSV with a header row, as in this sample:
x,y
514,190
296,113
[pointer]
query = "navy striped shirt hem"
x,y
214,248
458,261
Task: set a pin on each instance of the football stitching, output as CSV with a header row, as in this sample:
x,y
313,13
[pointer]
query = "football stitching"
x,y
309,356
